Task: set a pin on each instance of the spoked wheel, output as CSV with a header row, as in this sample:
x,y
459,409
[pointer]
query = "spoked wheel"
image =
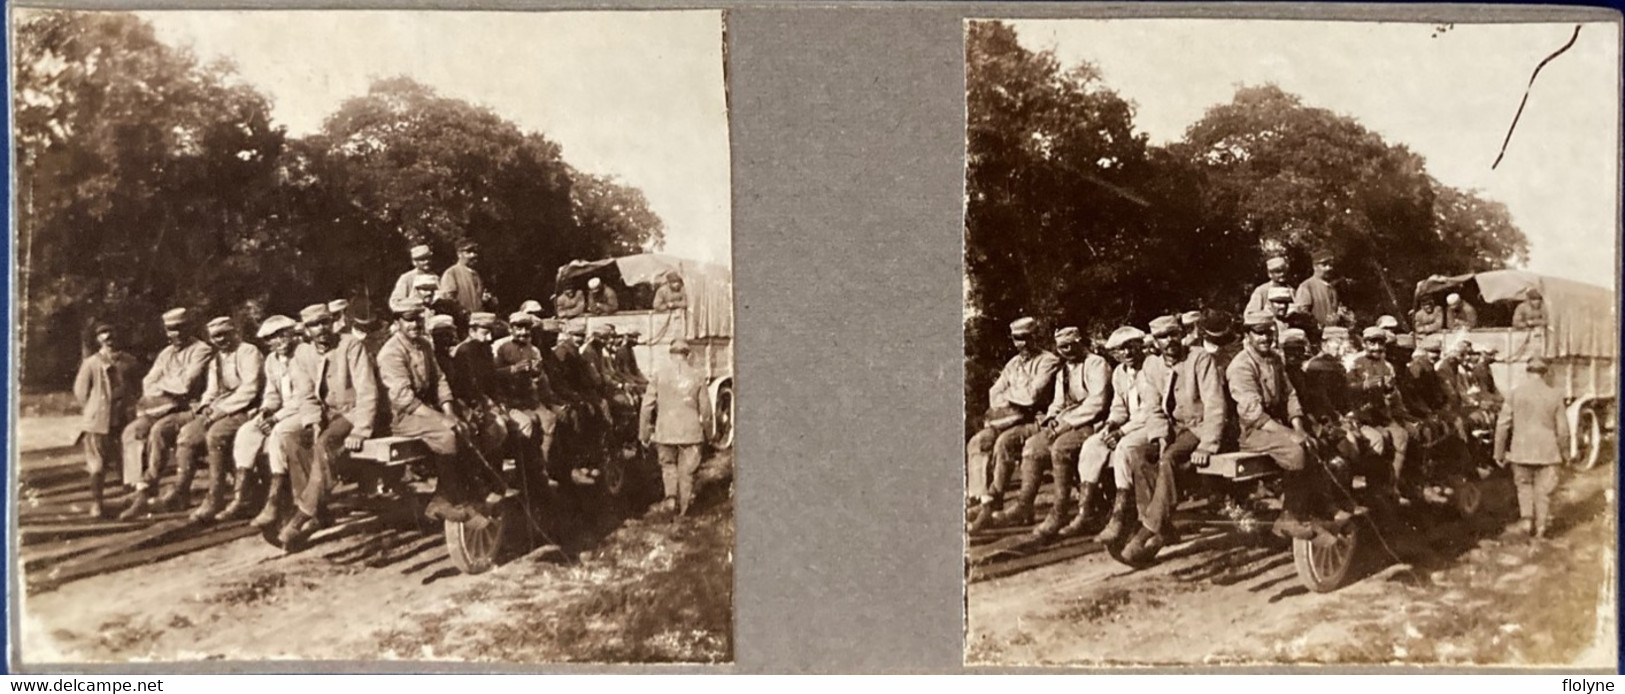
x,y
612,475
474,550
1466,496
1589,431
1323,568
723,418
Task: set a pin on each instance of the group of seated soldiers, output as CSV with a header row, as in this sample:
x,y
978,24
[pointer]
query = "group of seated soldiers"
x,y
324,385
1299,386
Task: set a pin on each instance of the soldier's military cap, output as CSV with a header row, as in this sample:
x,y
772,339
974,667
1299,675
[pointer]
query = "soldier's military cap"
x,y
1294,336
1388,322
103,328
440,321
1280,294
406,306
1257,319
1024,327
482,319
1216,324
1124,336
1405,341
1533,293
314,312
468,245
421,251
603,330
521,318
1068,335
594,283
1190,318
1275,263
1453,299
274,325
1324,256
176,317
1164,326
425,281
1374,333
220,325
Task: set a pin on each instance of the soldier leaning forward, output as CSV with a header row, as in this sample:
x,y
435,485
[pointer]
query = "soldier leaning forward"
x,y
168,392
1022,387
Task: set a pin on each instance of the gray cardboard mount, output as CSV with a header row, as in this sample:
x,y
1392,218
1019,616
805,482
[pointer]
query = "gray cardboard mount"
x,y
847,126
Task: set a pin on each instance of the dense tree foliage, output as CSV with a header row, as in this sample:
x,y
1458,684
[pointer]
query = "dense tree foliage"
x,y
149,180
1072,217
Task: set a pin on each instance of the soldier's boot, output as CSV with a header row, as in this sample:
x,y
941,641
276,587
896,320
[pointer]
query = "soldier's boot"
x,y
1054,519
1117,526
179,497
239,497
1143,547
295,530
1085,515
215,500
1022,512
139,503
275,497
97,510
983,519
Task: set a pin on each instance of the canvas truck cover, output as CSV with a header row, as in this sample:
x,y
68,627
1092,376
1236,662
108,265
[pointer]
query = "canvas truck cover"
x,y
708,286
1580,316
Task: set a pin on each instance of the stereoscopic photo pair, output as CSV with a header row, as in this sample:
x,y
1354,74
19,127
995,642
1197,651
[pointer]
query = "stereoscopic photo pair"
x,y
410,336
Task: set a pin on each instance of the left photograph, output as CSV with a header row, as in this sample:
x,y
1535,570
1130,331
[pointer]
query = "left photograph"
x,y
370,336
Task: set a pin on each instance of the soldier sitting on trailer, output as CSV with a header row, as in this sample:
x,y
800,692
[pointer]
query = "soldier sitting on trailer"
x,y
338,380
1272,423
526,393
993,453
1082,393
473,379
168,392
235,375
1378,407
271,427
1136,417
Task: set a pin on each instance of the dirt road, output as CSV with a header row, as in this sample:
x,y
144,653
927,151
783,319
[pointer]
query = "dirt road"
x,y
617,590
1456,593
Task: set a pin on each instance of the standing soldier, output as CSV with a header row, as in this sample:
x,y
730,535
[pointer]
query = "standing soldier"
x,y
421,407
1272,422
271,428
1317,297
1130,414
1276,268
406,283
167,393
106,390
1196,404
1529,433
235,375
1378,406
462,283
339,381
675,415
1082,389
1013,401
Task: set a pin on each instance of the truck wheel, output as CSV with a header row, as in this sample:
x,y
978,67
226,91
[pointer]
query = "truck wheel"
x,y
1589,431
1323,569
612,475
1466,496
722,418
474,551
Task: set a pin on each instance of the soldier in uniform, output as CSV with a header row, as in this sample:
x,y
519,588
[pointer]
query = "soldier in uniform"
x,y
1276,268
1272,423
473,379
569,303
1531,312
526,393
168,392
1198,412
339,381
405,285
462,284
670,296
1530,434
421,407
106,390
1318,298
1022,387
270,428
1458,314
1288,317
1379,409
235,376
1429,317
675,415
1135,419
601,299
1082,389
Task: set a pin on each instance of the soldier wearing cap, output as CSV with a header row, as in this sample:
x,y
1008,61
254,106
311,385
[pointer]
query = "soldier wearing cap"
x,y
1481,381
1190,323
343,321
527,395
1023,386
578,378
531,307
1272,422
341,406
1138,415
232,391
1289,317
462,284
271,428
168,391
670,296
1276,268
1531,312
1323,388
1318,298
1378,406
1458,314
675,415
601,299
626,361
1429,316
405,285
1197,406
1218,336
1531,432
106,390
473,379
421,407
570,302
1082,390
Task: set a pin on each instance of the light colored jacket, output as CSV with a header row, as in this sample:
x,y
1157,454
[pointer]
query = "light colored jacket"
x,y
178,373
403,284
1025,381
1262,392
279,396
342,381
462,284
234,380
410,375
1200,403
1532,425
1082,391
676,407
105,389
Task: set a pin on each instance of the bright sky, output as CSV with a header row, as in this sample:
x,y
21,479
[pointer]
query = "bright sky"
x,y
637,95
1450,99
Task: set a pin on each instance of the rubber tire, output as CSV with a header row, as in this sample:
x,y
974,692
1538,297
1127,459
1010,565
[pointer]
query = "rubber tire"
x,y
1466,496
612,475
1589,429
1325,570
723,418
474,552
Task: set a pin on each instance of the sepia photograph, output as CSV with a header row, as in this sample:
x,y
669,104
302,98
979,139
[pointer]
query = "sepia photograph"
x,y
371,336
1291,343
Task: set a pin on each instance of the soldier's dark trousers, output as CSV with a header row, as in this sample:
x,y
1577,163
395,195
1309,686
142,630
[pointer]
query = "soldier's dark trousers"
x,y
214,440
153,441
1056,449
1155,492
679,464
991,458
1535,486
310,476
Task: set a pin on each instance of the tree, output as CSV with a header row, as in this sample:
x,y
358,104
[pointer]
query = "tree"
x,y
607,208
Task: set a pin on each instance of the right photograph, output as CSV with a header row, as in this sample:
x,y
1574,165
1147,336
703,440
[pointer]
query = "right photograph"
x,y
1291,342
